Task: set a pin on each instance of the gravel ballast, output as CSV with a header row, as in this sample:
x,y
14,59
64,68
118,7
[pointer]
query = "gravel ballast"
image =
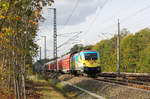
x,y
107,90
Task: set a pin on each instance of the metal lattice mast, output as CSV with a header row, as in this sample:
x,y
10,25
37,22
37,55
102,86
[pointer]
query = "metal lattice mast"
x,y
55,37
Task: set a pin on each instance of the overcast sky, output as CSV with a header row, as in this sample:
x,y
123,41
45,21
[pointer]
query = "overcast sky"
x,y
97,19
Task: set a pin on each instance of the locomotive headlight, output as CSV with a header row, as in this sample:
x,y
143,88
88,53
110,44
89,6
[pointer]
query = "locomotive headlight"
x,y
98,68
86,68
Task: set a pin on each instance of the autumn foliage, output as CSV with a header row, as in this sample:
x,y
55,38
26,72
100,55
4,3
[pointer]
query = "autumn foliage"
x,y
18,27
134,50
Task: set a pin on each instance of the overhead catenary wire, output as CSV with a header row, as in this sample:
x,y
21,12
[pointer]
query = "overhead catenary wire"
x,y
93,21
131,25
68,19
70,39
68,33
94,18
104,35
75,7
72,12
140,20
135,13
127,17
72,15
141,10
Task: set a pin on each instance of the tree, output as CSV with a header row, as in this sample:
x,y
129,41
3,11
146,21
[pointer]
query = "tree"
x,y
18,27
107,50
135,54
124,32
88,47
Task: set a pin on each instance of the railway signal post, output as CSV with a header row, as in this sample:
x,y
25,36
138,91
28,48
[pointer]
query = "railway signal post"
x,y
40,53
118,48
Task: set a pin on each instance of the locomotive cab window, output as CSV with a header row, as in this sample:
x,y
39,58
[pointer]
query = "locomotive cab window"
x,y
91,56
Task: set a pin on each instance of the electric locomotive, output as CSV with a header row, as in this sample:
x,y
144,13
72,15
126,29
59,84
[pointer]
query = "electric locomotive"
x,y
86,62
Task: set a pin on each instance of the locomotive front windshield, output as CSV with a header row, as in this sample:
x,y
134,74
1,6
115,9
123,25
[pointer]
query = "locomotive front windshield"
x,y
91,56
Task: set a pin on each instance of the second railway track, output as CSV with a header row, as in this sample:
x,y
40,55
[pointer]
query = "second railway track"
x,y
136,81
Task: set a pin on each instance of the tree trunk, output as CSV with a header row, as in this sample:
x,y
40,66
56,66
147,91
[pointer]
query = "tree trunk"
x,y
9,82
17,84
15,88
23,86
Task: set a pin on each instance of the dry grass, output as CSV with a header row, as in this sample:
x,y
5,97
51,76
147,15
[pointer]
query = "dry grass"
x,y
43,90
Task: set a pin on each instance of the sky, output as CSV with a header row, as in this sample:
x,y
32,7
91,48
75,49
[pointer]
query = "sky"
x,y
91,21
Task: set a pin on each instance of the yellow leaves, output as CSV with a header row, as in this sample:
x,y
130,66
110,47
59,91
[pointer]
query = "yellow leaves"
x,y
20,30
0,68
33,22
1,43
3,10
1,35
6,40
4,35
7,31
17,18
2,17
5,6
2,78
30,21
9,17
36,13
27,65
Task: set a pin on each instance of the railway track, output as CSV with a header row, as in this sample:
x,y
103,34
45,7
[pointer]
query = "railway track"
x,y
136,81
135,77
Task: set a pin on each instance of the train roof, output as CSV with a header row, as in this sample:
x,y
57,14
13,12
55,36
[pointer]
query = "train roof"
x,y
69,55
89,51
49,62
